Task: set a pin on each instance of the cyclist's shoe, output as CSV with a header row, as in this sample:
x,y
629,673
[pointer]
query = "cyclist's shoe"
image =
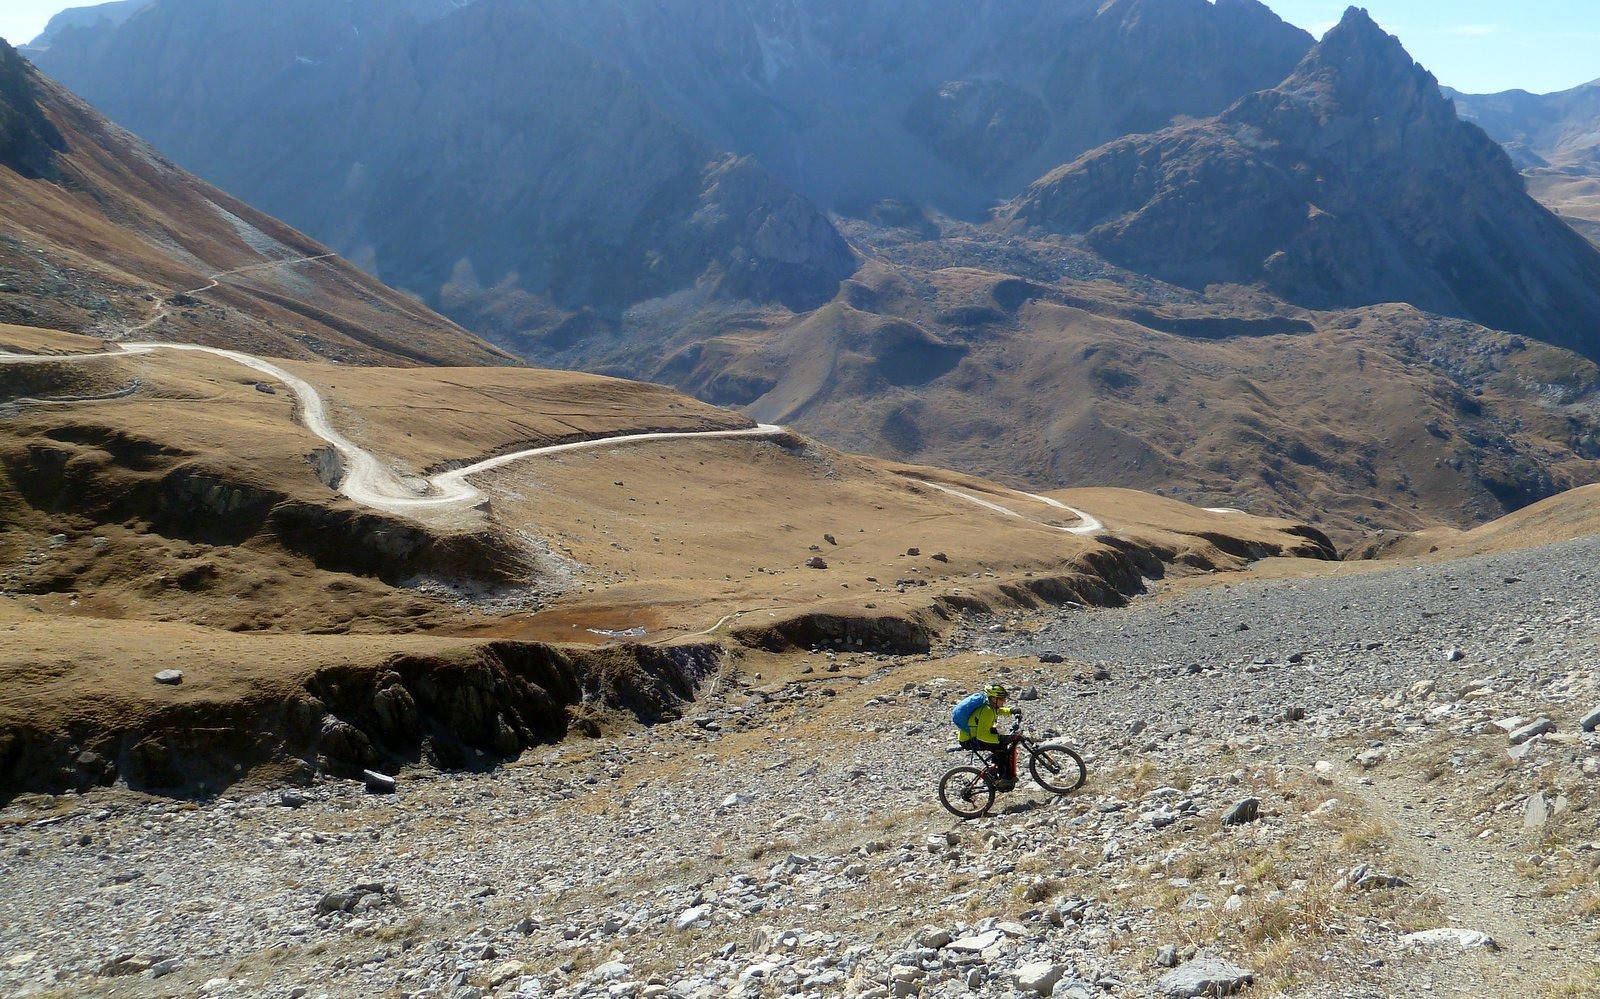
x,y
1005,784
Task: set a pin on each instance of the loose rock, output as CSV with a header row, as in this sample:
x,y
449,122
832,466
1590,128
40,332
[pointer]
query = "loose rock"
x,y
1205,977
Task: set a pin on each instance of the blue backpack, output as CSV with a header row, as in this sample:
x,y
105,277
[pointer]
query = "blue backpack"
x,y
963,712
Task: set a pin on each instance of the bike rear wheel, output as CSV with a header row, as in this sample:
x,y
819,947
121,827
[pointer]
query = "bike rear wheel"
x,y
966,792
1058,769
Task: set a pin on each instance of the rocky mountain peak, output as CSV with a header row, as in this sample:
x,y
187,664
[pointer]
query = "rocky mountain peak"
x,y
1350,183
1358,68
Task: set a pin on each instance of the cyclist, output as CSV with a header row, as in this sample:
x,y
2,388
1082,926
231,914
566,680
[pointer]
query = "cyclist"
x,y
974,719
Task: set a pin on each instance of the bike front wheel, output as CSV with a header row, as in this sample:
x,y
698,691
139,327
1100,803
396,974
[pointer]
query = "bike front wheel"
x,y
1058,769
966,792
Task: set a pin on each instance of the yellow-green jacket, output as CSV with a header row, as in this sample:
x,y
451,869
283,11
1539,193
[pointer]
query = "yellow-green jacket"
x,y
980,724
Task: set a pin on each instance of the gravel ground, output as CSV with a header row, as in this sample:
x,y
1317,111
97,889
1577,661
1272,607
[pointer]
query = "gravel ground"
x,y
785,840
1262,646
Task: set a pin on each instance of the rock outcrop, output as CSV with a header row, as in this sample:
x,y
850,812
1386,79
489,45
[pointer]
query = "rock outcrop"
x,y
1351,183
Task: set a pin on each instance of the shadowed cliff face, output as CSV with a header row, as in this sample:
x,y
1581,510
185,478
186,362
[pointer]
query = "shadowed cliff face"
x,y
467,154
498,155
955,103
1350,183
28,142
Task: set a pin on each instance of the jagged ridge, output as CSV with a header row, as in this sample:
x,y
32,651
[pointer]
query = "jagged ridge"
x,y
1351,183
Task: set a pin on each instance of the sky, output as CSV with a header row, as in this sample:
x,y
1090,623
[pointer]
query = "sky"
x,y
1476,46
1480,46
21,20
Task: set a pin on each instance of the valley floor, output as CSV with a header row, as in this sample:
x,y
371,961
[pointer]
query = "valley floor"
x,y
784,838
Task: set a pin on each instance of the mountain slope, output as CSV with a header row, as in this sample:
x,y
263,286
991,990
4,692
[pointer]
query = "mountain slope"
x,y
1350,183
99,234
465,153
1555,139
958,104
1559,131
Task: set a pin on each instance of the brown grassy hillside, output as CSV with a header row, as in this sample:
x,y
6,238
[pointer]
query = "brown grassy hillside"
x,y
99,234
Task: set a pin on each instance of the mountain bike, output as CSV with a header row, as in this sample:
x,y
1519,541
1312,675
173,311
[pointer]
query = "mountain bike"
x,y
969,791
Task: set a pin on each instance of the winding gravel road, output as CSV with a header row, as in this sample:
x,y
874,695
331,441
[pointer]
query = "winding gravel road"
x,y
369,481
1088,525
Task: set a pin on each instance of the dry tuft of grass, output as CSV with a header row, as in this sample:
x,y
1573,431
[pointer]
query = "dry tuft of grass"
x,y
1365,837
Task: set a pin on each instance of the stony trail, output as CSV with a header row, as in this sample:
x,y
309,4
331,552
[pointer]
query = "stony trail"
x,y
1479,887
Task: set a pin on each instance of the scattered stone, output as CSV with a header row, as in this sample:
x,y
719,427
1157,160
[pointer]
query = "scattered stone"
x,y
1167,957
939,557
1450,936
1051,658
1242,813
611,971
265,389
690,917
1040,977
128,964
1532,730
1205,977
1541,808
816,562
932,938
292,799
170,677
977,943
355,899
505,972
829,539
378,783
913,552
1455,655
1590,721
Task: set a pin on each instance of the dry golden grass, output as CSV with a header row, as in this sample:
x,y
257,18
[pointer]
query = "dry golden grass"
x,y
1578,985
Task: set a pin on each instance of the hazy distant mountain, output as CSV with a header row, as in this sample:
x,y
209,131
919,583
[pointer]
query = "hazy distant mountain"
x,y
1351,183
1555,139
100,234
956,103
1560,130
466,153
109,14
